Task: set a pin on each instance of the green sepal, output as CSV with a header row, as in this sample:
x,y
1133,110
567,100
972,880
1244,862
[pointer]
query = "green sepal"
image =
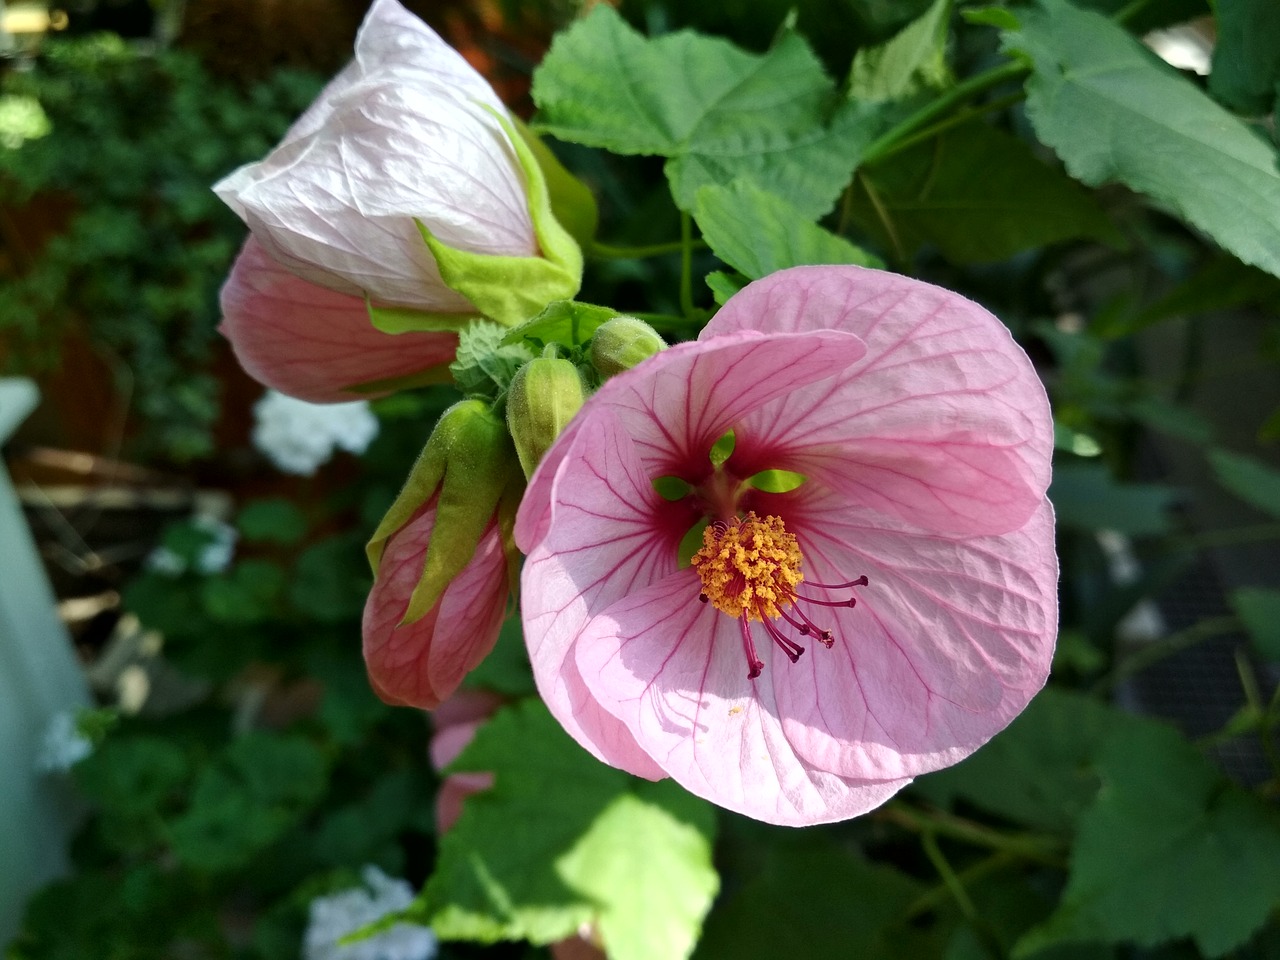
x,y
563,321
512,289
544,396
468,464
404,320
572,203
622,343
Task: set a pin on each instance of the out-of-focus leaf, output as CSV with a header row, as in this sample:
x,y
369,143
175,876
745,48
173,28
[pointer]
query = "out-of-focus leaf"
x,y
245,594
757,233
1246,57
1251,480
273,520
913,61
978,195
1086,497
1222,283
1116,113
1259,608
718,112
1169,849
506,669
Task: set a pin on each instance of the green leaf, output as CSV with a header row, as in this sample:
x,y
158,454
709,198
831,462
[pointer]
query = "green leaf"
x,y
525,861
672,488
758,233
715,110
809,898
1251,480
1169,849
564,321
331,580
485,362
245,594
976,193
1246,57
912,62
506,669
1086,497
777,481
1259,608
1224,282
725,285
272,520
1037,771
1114,112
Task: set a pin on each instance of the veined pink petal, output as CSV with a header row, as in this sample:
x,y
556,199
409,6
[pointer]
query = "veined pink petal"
x,y
420,664
948,642
942,423
671,669
310,342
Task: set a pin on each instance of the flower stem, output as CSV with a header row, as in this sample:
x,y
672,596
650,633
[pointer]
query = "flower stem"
x,y
686,263
609,251
886,142
958,893
1025,846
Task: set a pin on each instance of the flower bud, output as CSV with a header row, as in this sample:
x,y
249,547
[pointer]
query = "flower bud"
x,y
443,555
623,342
545,394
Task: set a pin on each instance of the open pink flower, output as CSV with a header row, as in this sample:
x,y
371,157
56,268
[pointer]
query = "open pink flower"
x,y
401,137
766,675
311,342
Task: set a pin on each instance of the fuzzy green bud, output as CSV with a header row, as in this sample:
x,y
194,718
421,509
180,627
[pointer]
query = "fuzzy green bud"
x,y
545,394
621,343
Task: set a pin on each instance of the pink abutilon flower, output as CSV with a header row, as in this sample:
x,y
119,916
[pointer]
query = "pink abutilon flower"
x,y
400,137
883,613
311,342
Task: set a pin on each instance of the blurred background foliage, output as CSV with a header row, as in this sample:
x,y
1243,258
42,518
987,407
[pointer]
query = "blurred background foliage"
x,y
261,772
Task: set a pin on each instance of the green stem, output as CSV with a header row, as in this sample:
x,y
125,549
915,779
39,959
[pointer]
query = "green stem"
x,y
1024,846
1166,647
686,263
958,893
882,212
1228,538
934,898
1127,13
1253,696
609,251
956,120
886,142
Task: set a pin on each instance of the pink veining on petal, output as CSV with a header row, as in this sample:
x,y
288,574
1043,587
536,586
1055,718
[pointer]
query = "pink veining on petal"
x,y
310,342
419,664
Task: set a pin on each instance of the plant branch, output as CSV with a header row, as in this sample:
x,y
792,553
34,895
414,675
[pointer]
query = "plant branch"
x,y
1166,647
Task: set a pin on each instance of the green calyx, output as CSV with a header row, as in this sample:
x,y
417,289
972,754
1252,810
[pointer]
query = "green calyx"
x,y
469,467
512,289
544,396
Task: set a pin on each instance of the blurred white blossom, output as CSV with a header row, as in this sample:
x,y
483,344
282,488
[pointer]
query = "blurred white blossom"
x,y
63,745
335,916
214,557
298,436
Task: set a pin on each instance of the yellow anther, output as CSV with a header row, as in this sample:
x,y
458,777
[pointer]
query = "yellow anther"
x,y
749,567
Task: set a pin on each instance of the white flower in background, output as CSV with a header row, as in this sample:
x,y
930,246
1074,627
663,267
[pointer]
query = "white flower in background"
x,y
214,557
63,745
298,436
335,916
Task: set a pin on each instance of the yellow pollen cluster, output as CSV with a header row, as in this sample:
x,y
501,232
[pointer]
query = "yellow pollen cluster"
x,y
749,566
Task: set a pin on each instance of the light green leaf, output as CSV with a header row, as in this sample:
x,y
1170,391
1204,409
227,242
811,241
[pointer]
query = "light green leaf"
x,y
1169,849
1246,57
978,195
1251,480
724,285
632,857
718,112
758,233
1259,608
1116,113
1086,497
912,62
486,362
777,481
564,321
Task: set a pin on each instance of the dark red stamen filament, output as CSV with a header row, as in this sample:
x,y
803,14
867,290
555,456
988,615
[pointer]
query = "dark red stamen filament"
x,y
754,663
860,582
789,647
851,602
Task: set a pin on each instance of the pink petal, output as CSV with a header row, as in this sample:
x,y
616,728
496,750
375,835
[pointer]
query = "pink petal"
x,y
310,342
420,664
948,642
672,669
943,422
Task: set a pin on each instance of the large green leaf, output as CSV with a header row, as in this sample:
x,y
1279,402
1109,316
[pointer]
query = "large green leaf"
x,y
1087,498
632,857
911,62
757,233
978,195
1246,58
1116,113
718,112
1038,771
1169,849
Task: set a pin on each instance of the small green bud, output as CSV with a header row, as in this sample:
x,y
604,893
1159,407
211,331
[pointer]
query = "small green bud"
x,y
544,396
623,342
